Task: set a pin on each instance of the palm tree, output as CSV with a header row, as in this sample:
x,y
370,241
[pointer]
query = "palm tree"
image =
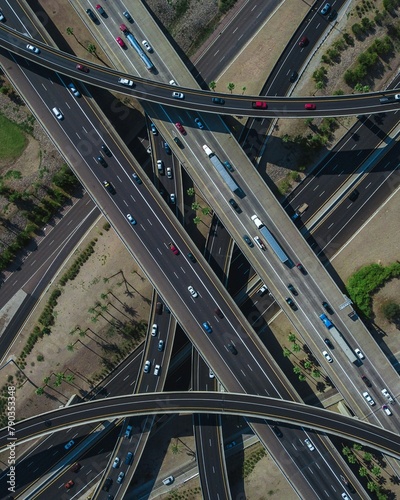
x,y
307,365
195,205
296,370
302,377
190,192
196,220
363,471
243,90
371,486
231,86
367,457
70,347
357,446
376,471
292,337
346,451
296,347
352,459
286,352
316,373
39,391
91,48
212,85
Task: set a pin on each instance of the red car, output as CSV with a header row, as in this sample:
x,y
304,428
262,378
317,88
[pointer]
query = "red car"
x,y
173,249
69,484
123,28
180,127
303,42
310,106
83,68
120,42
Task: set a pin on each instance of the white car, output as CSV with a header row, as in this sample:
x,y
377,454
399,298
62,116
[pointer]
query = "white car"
x,y
116,463
345,496
172,82
387,395
33,49
126,82
168,480
157,370
211,374
327,357
172,198
1,16
147,46
309,444
397,97
147,366
192,291
169,172
359,353
386,409
57,113
178,95
368,398
154,330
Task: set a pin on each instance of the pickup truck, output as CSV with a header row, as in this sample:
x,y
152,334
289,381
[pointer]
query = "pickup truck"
x,y
259,105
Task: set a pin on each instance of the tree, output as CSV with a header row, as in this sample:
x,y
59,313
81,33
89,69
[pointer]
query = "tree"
x,y
296,370
296,347
346,451
243,90
367,457
70,347
190,192
357,446
70,31
376,471
352,459
206,210
92,49
302,377
316,373
391,311
230,87
371,486
212,85
195,205
307,365
292,337
39,391
286,352
363,471
196,220
70,378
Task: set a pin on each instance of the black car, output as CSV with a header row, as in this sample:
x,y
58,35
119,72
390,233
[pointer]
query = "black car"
x,y
178,142
328,343
293,76
367,381
128,16
354,195
106,150
102,161
332,16
292,289
90,13
291,303
107,484
218,100
191,257
277,431
327,307
248,241
110,188
128,458
232,348
235,206
167,148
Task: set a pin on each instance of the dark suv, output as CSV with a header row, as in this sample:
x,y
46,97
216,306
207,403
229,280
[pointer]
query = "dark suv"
x,y
291,303
102,161
107,484
232,348
235,206
327,307
328,343
366,380
91,15
292,289
178,142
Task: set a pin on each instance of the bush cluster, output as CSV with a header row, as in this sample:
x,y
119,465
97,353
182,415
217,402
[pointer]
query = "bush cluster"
x,y
73,271
250,462
367,281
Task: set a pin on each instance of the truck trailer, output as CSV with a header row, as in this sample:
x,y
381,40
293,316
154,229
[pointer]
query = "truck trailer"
x,y
338,337
222,171
270,239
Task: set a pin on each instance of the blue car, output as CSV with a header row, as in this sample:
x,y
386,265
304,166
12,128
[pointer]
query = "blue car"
x,y
198,122
74,90
325,9
207,327
131,219
167,148
153,129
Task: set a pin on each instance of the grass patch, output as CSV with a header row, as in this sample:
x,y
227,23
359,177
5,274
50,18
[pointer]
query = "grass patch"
x,y
12,139
368,280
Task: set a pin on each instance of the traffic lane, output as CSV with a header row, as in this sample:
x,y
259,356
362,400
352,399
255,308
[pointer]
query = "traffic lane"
x,y
244,404
338,228
240,29
93,462
345,160
218,249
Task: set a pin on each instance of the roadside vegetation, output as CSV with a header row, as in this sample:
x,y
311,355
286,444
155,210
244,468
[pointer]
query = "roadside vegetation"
x,y
367,281
12,139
